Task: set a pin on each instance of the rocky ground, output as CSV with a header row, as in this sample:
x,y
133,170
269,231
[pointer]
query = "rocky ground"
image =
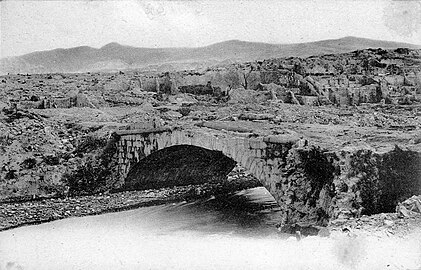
x,y
404,221
379,225
51,125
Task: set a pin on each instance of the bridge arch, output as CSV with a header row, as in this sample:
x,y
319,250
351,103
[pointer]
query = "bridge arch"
x,y
178,165
262,157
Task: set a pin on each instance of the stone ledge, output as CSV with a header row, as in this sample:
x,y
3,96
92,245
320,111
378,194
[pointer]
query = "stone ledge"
x,y
228,126
143,131
281,139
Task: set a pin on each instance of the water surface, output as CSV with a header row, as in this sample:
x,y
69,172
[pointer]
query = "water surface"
x,y
232,232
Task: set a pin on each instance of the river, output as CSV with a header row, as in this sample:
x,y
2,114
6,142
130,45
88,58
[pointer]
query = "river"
x,y
232,232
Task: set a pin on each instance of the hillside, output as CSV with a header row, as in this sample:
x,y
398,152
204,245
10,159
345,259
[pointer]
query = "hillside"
x,y
114,56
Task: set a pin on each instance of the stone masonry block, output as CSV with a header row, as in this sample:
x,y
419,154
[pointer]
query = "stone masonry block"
x,y
255,143
249,162
252,166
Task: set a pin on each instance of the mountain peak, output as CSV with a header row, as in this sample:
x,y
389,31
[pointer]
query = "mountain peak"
x,y
233,41
111,45
352,37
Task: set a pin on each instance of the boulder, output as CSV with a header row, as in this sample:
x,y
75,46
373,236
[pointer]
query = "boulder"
x,y
277,91
173,115
256,116
182,98
147,107
410,207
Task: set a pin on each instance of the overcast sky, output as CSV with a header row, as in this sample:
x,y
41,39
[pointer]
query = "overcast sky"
x,y
28,26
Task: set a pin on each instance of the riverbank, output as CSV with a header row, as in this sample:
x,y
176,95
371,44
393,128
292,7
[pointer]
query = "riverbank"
x,y
181,235
31,212
17,214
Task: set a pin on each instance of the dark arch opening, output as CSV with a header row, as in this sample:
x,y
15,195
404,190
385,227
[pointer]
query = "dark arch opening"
x,y
179,165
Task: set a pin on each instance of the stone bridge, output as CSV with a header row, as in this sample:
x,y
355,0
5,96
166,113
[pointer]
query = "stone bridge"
x,y
298,177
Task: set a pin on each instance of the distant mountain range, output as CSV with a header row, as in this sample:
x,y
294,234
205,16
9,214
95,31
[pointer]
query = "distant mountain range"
x,y
114,56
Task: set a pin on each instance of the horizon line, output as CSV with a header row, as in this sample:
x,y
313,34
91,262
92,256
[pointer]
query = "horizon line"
x,y
211,44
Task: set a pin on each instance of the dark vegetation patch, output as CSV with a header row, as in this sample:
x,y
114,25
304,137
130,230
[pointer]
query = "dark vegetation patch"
x,y
51,160
320,170
88,144
29,163
385,180
95,172
11,174
400,178
13,113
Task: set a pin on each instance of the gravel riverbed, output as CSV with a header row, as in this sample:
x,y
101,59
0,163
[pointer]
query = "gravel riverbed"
x,y
16,214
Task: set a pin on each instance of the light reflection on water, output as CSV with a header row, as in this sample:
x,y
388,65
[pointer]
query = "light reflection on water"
x,y
235,232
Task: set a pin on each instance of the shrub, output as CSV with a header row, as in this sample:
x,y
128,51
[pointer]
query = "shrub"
x,y
87,178
364,165
29,163
89,143
51,160
320,170
10,175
